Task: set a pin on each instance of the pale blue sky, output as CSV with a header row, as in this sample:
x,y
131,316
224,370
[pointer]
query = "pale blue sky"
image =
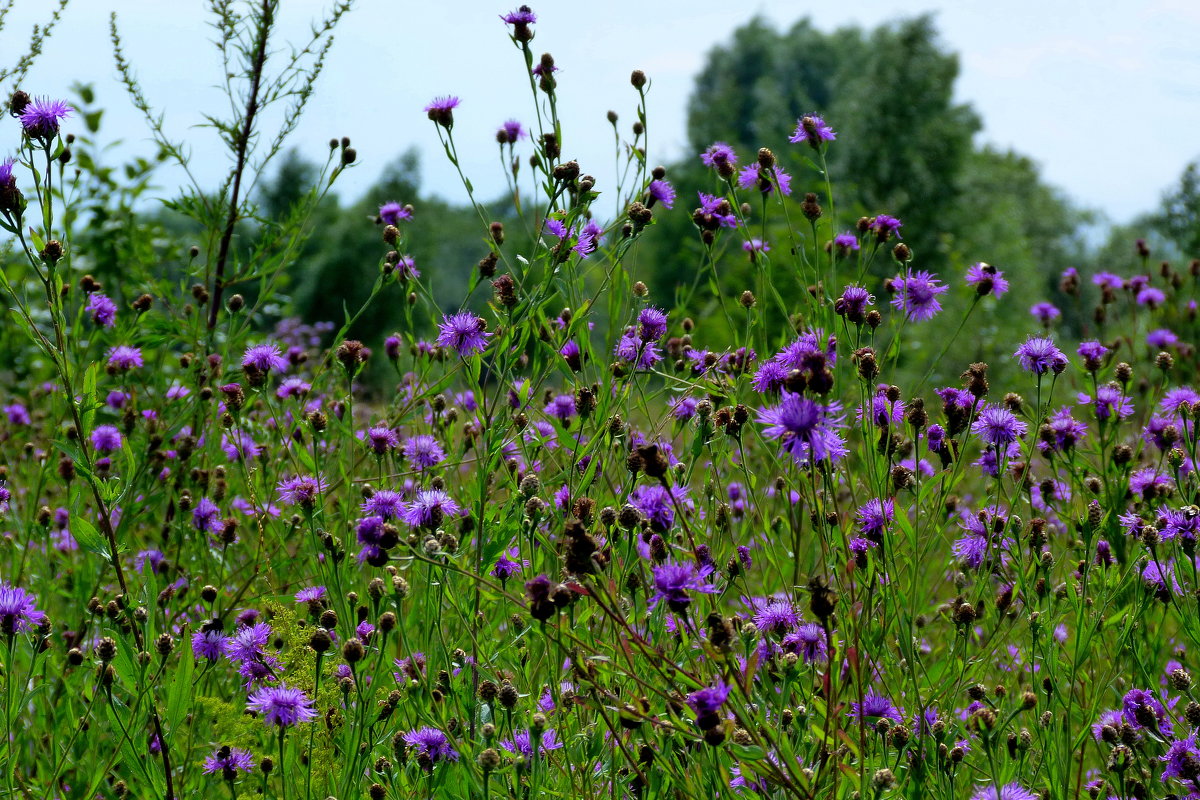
x,y
1104,95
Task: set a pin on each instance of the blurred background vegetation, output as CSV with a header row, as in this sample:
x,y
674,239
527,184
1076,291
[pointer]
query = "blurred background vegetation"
x,y
906,146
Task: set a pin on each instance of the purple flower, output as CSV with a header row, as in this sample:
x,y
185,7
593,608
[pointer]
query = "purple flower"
x,y
1181,759
282,706
432,743
883,412
385,503
805,429
1147,482
17,414
886,226
874,516
853,303
1092,353
1040,355
206,516
42,116
7,179
1065,432
229,762
311,594
706,703
382,439
765,179
672,582
776,616
301,490
998,426
658,503
264,358
506,568
808,642
846,242
1107,280
661,191
652,324
1161,338
1177,397
633,350
392,213
423,451
1109,400
123,357
916,294
813,130
756,246
1142,709
719,153
441,110
106,438
522,16
1151,297
102,309
429,509
1045,312
464,332
18,610
511,131
521,743
1010,791
716,211
986,279
875,706
208,644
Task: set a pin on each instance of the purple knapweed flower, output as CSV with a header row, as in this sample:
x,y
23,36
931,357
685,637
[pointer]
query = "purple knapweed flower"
x,y
18,610
986,279
806,430
392,213
106,438
431,743
1045,312
423,451
463,332
1009,791
916,294
429,509
1092,353
1040,355
875,706
673,582
706,703
42,117
998,426
661,191
301,490
441,110
381,439
812,130
282,706
1109,401
719,153
123,357
102,309
264,358
511,131
229,762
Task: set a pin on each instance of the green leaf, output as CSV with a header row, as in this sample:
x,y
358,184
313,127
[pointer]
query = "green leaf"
x,y
181,686
88,537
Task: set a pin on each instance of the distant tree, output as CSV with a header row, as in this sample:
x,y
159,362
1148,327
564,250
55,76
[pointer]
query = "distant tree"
x,y
1178,219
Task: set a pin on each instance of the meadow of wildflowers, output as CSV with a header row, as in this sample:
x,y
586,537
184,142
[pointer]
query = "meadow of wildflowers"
x,y
575,548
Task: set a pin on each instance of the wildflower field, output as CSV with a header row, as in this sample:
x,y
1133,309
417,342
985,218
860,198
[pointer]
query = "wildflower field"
x,y
572,535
